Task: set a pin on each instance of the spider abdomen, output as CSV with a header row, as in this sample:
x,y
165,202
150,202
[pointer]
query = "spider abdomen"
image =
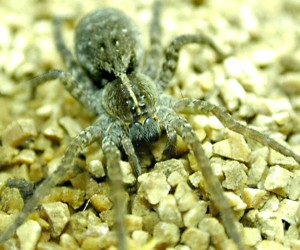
x,y
107,44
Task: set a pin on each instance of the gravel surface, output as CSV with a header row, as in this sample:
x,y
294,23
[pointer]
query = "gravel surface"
x,y
259,85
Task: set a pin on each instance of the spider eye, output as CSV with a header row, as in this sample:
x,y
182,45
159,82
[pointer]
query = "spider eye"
x,y
133,110
142,106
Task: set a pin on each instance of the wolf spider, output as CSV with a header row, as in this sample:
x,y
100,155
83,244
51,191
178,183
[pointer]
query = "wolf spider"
x,y
110,79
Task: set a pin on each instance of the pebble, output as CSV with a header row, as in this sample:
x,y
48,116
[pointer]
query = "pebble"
x,y
45,111
294,184
53,131
267,245
234,147
95,168
74,197
235,176
276,158
7,154
26,156
58,215
68,242
29,234
245,72
249,20
277,180
184,196
193,216
251,236
18,131
166,233
195,238
127,175
257,169
289,211
168,211
11,200
153,187
264,57
237,204
141,237
215,229
70,125
254,198
290,83
48,246
271,226
170,166
133,222
101,202
233,94
86,223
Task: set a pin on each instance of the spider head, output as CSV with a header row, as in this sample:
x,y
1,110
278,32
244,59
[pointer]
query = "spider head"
x,y
132,99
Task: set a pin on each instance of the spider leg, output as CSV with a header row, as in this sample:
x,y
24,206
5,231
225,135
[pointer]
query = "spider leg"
x,y
85,138
73,67
113,156
88,96
172,53
156,50
170,147
132,157
185,130
193,106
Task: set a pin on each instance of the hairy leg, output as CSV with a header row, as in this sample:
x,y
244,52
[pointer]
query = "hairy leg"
x,y
184,129
113,156
156,50
85,138
193,106
76,71
132,157
172,53
86,95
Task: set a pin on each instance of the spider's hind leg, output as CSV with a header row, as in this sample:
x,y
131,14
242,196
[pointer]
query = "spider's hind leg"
x,y
172,53
156,50
194,106
185,130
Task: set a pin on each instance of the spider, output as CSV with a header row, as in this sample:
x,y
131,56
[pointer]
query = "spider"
x,y
109,78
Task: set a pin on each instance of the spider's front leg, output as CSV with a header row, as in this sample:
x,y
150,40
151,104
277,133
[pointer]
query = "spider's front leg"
x,y
85,138
185,130
115,137
193,106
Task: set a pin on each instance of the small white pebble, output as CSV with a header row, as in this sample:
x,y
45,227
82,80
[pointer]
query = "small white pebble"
x,y
271,226
59,215
267,245
195,238
277,180
70,125
168,211
288,210
254,198
264,57
167,233
235,175
153,187
28,234
234,147
251,236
